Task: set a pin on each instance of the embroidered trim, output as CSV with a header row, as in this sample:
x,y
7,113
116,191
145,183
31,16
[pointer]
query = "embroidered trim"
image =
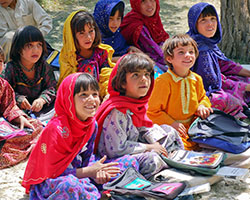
x,y
185,89
186,120
44,148
24,84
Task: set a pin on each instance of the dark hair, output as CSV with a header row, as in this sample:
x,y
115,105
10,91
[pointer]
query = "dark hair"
x,y
120,8
78,22
23,36
84,82
208,11
178,40
130,63
2,52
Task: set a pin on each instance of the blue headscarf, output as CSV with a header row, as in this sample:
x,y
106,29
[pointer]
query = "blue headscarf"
x,y
207,64
103,9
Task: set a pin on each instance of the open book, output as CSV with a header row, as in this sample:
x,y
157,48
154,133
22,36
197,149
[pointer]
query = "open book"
x,y
197,159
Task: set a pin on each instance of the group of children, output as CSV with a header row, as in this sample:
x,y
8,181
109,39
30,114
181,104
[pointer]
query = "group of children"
x,y
104,56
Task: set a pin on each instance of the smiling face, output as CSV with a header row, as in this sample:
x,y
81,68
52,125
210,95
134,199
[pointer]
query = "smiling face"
x,y
86,103
137,84
31,53
115,21
148,7
207,26
182,60
86,37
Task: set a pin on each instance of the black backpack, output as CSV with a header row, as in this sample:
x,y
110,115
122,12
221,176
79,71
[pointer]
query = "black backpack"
x,y
132,185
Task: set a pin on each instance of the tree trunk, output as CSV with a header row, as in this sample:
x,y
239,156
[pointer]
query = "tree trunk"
x,y
235,21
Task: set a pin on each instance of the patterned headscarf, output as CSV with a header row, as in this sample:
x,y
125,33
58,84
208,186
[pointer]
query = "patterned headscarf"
x,y
133,22
61,140
101,14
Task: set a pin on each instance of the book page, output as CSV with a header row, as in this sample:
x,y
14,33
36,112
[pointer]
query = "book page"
x,y
198,159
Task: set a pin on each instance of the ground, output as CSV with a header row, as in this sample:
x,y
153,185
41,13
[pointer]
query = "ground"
x,y
174,17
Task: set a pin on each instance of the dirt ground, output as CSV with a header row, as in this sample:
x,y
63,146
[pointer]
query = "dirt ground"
x,y
174,17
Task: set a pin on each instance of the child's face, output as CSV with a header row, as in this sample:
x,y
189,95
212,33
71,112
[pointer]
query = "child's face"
x,y
137,84
148,7
31,53
1,63
115,21
86,37
5,3
86,104
207,26
183,59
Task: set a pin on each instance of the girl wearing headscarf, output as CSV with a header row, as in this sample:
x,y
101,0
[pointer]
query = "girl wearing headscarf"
x,y
143,29
108,15
83,51
226,83
125,128
62,165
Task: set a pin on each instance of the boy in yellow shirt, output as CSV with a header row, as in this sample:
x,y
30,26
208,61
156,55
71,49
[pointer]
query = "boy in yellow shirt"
x,y
178,95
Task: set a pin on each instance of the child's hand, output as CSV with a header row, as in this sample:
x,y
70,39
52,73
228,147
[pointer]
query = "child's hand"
x,y
180,128
23,122
203,111
102,173
25,105
37,104
105,98
157,147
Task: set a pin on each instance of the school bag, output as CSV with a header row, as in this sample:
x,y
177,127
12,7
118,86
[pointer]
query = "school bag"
x,y
221,131
132,183
195,162
53,59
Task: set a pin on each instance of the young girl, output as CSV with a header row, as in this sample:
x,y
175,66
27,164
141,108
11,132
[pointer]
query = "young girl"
x,y
68,169
142,28
226,83
82,50
108,15
122,121
28,73
15,14
184,96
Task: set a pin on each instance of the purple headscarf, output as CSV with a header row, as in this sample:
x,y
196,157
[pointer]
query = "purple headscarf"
x,y
207,64
102,12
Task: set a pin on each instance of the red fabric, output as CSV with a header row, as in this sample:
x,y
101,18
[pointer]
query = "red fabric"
x,y
133,22
61,139
8,107
122,103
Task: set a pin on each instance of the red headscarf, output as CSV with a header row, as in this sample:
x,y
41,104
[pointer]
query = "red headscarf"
x,y
133,22
61,140
122,103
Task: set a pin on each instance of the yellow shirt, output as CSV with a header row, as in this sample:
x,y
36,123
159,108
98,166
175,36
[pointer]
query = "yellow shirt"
x,y
176,99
